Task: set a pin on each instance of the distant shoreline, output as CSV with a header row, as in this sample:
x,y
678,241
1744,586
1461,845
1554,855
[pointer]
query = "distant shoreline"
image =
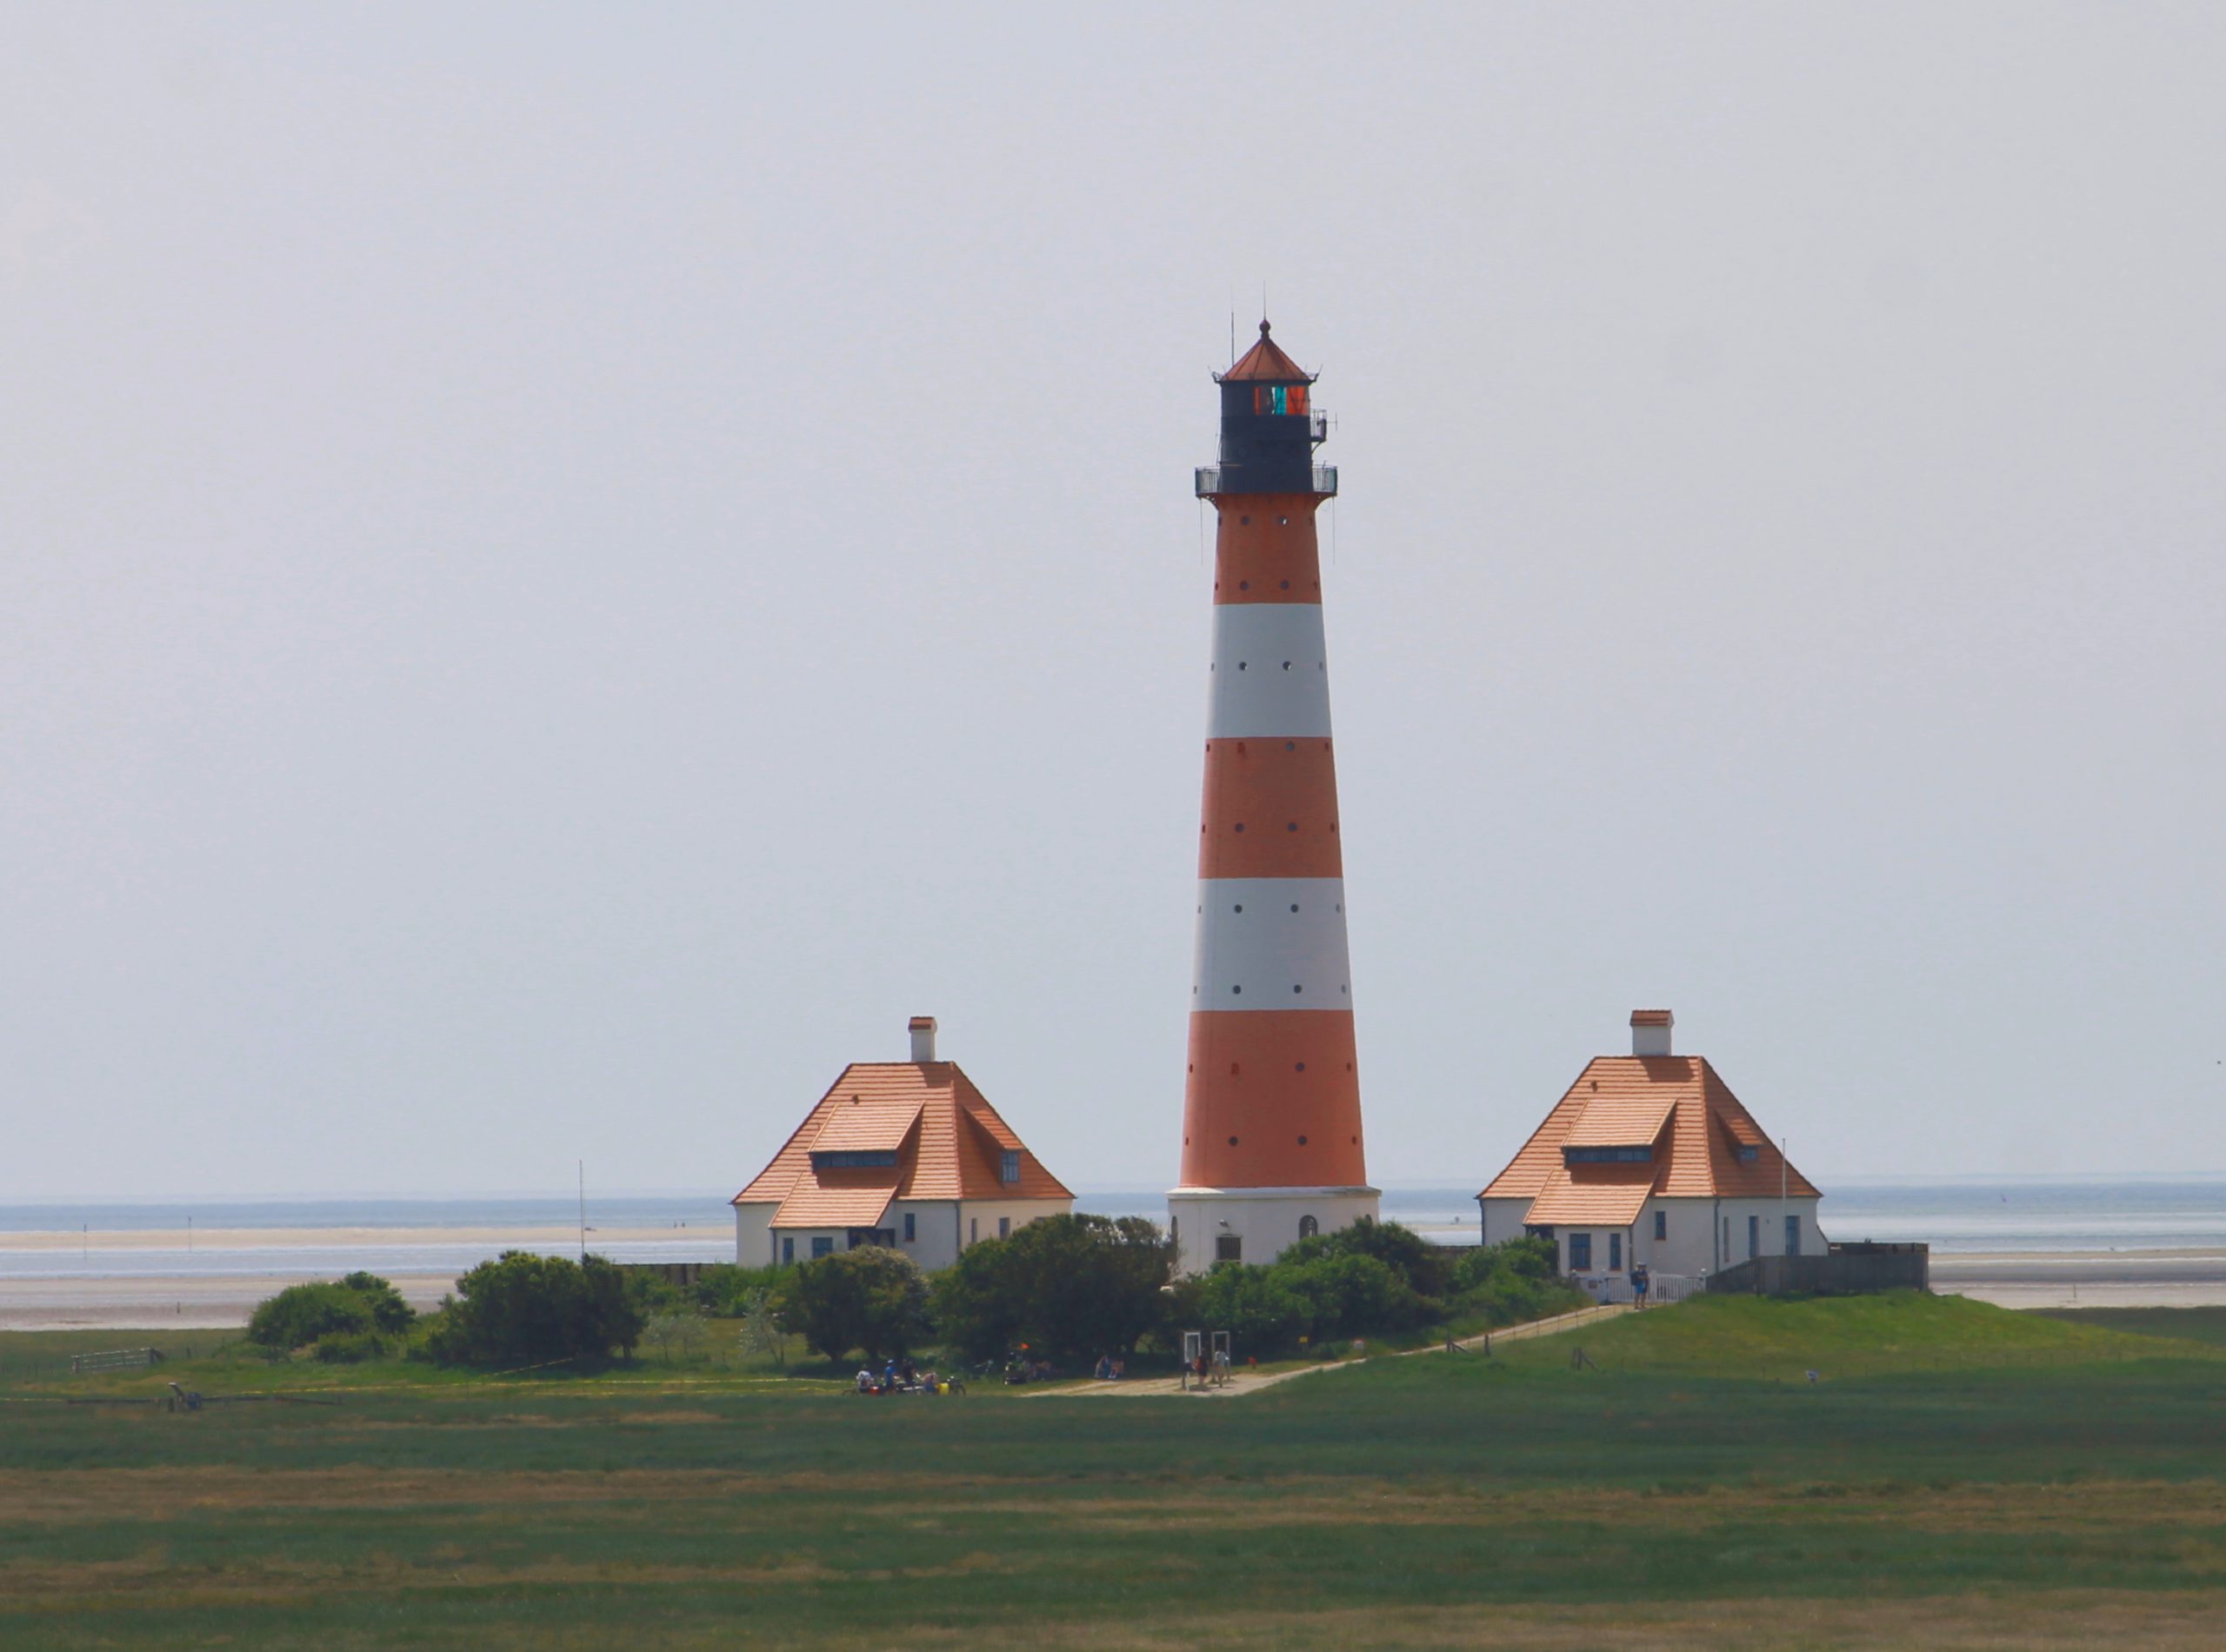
x,y
154,1301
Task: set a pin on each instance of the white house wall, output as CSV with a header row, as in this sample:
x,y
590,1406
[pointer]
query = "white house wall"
x,y
753,1234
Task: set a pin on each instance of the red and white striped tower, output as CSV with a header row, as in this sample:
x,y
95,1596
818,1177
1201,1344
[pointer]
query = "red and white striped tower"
x,y
1271,1134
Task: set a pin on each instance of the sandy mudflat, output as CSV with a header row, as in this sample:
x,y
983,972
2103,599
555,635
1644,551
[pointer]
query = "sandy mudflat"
x,y
344,1238
183,1303
233,1268
2186,1278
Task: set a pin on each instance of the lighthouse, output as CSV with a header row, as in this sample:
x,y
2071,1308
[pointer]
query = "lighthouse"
x,y
1272,1133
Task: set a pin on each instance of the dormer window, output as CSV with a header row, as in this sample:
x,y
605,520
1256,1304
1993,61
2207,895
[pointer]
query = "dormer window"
x,y
1607,1155
1749,1154
1009,1167
853,1159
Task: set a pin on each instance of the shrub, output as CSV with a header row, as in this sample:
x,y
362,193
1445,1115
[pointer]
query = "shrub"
x,y
349,1347
1510,1282
300,1314
1355,1295
389,1312
1072,1286
523,1309
1256,1306
1425,1267
872,1298
723,1290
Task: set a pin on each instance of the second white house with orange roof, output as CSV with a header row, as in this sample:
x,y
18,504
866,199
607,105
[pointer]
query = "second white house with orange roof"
x,y
1649,1160
903,1153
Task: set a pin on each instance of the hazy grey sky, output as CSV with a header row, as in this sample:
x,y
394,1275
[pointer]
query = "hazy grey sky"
x,y
562,570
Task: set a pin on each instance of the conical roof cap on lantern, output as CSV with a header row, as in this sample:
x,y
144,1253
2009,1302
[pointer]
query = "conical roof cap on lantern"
x,y
1265,362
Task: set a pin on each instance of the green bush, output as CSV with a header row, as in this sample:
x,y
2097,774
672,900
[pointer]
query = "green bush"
x,y
389,1312
723,1290
300,1314
349,1347
1257,1306
1354,1295
872,1298
1511,1282
1426,1269
1070,1286
523,1309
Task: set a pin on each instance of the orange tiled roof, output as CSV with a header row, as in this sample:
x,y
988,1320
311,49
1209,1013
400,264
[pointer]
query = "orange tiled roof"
x,y
1266,362
880,1127
1620,1121
810,1205
950,1146
1696,1151
1605,1195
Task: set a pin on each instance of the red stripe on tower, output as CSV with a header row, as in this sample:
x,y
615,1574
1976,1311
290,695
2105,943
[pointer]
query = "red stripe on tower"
x,y
1272,1133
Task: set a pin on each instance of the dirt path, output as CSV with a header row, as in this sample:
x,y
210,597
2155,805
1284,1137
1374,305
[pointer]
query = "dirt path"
x,y
1243,1381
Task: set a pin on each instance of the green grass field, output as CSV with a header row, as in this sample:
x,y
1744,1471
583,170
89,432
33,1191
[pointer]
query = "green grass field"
x,y
1958,1475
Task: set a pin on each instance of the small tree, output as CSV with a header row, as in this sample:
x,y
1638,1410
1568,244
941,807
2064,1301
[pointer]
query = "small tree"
x,y
389,1314
1072,1285
522,1309
761,1331
682,1330
872,1298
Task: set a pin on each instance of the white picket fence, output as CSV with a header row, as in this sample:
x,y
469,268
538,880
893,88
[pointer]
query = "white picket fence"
x,y
1660,1288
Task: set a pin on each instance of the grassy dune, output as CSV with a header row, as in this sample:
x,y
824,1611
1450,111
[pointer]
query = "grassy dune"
x,y
1961,1477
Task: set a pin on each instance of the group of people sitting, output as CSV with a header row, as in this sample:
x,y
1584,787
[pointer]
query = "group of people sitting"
x,y
1021,1366
1111,1367
902,1377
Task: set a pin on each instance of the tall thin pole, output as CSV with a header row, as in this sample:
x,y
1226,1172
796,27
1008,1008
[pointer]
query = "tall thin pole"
x,y
584,1209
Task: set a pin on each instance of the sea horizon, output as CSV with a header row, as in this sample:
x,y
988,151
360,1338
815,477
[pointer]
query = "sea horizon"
x,y
451,1232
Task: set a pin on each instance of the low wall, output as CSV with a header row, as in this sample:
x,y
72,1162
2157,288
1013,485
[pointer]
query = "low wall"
x,y
1844,1270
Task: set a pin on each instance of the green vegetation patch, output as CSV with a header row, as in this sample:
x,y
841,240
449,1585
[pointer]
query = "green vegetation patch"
x,y
1777,1339
1954,1453
2188,1324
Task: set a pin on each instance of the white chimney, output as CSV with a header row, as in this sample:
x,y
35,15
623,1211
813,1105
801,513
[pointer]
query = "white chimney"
x,y
1650,1031
922,1029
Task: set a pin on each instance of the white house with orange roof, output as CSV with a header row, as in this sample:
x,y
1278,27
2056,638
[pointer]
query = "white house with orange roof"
x,y
903,1153
1650,1159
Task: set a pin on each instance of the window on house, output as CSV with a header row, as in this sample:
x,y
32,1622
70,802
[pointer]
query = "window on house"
x,y
1009,1167
1579,1253
1229,1246
860,1159
1754,1237
1661,1226
1749,1154
1607,1155
1793,1235
788,1250
1615,1253
973,1228
1004,1226
911,1226
1308,1227
822,1248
